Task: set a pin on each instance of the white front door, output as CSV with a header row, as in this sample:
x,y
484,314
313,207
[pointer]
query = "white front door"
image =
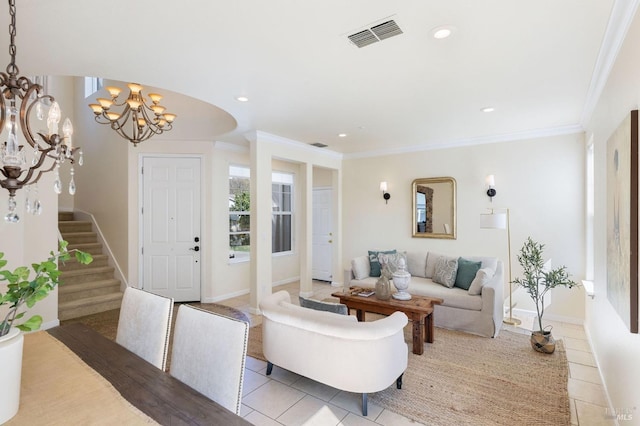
x,y
171,227
322,235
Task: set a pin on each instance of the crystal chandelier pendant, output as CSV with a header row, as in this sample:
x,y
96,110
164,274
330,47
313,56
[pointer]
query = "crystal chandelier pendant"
x,y
36,206
72,184
57,184
27,199
12,216
80,160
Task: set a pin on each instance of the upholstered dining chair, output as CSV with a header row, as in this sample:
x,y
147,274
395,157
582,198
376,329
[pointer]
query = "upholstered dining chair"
x,y
209,354
144,325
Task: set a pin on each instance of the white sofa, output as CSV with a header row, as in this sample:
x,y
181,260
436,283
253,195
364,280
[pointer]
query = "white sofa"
x,y
478,310
334,349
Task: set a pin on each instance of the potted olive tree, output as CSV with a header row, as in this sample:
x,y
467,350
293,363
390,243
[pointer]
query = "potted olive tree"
x,y
23,291
537,281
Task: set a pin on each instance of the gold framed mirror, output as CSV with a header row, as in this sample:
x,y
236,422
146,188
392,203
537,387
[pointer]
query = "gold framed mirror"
x,y
434,208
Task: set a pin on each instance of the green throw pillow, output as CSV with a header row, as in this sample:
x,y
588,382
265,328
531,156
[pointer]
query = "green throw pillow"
x,y
374,263
467,271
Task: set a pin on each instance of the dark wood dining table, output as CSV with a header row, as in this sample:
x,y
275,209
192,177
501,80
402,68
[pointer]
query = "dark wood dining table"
x,y
153,391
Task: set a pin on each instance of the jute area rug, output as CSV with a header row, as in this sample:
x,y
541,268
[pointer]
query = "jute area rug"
x,y
464,379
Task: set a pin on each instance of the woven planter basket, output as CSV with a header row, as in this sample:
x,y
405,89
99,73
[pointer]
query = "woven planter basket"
x,y
543,341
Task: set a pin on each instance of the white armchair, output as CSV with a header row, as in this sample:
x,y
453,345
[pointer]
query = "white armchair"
x,y
334,349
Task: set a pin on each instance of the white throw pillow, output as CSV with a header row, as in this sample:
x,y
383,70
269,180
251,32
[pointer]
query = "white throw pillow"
x,y
445,271
482,277
360,267
417,264
432,259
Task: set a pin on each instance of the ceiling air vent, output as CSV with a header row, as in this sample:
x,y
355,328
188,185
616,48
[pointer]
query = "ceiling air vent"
x,y
375,34
319,145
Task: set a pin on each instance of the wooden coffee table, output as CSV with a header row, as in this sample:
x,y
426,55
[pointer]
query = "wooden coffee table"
x,y
419,310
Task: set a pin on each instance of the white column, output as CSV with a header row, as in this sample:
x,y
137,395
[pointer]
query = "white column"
x,y
261,267
306,239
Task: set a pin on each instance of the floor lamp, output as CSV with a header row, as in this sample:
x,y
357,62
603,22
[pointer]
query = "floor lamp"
x,y
495,220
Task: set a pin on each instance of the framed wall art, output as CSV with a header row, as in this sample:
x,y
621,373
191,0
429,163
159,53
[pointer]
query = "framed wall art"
x,y
622,220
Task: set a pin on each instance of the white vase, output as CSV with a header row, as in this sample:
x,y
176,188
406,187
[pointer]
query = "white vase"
x,y
401,281
10,373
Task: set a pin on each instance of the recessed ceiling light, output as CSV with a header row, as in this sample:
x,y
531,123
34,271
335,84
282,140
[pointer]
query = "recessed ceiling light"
x,y
488,109
342,135
242,99
442,32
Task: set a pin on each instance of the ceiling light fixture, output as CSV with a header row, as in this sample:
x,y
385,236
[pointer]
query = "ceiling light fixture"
x,y
242,99
48,150
142,119
488,109
442,32
342,135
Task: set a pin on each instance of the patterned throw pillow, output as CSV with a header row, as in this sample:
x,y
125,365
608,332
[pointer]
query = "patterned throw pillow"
x,y
374,263
393,261
445,271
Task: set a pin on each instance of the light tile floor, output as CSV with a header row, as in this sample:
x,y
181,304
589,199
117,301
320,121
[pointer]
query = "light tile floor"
x,y
285,398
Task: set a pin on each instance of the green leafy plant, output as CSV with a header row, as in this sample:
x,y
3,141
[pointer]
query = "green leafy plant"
x,y
536,280
24,291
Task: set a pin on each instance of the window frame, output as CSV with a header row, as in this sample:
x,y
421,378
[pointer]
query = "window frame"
x,y
239,171
282,178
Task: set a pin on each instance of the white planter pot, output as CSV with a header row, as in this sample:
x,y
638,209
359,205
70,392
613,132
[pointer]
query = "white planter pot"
x,y
10,373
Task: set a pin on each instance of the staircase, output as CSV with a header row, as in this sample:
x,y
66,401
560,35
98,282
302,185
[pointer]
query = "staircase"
x,y
85,289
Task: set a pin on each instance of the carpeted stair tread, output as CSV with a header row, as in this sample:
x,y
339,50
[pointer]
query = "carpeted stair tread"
x,y
99,260
89,305
67,293
92,248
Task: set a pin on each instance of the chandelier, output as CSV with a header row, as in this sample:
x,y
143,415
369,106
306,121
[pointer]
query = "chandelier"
x,y
138,120
20,101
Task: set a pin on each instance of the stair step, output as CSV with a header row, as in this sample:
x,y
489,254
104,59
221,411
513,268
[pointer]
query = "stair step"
x,y
64,216
92,248
70,226
75,276
69,292
89,306
72,264
80,237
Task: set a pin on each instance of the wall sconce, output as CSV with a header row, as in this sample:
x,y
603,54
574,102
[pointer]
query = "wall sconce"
x,y
385,194
491,183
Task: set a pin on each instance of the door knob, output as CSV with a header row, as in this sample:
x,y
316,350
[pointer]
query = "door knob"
x,y
330,241
196,248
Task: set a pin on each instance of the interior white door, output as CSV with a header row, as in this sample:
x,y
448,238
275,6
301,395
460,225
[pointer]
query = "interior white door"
x,y
322,235
171,227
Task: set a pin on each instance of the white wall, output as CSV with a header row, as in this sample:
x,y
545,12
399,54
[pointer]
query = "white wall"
x,y
540,181
617,351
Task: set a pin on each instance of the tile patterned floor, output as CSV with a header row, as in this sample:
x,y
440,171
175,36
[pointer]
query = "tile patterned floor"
x,y
285,398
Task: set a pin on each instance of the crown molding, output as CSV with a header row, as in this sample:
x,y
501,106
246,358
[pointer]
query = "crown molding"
x,y
622,14
482,140
279,140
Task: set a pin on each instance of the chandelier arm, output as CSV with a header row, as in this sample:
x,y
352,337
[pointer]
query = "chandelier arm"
x,y
25,114
3,103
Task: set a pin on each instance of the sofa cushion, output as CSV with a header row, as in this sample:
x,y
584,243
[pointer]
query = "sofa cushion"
x,y
336,308
432,259
392,261
360,267
482,277
467,270
445,271
453,297
417,264
374,263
